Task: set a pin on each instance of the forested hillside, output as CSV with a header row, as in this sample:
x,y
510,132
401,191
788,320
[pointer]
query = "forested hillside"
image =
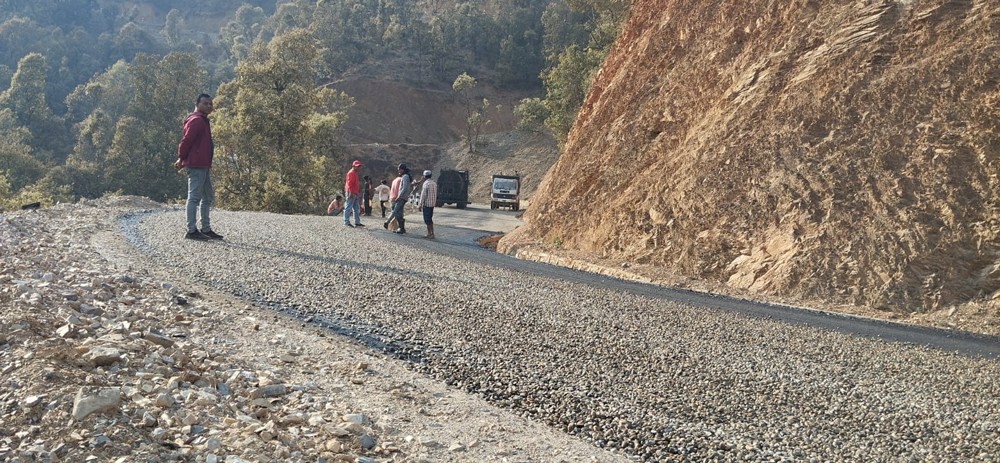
x,y
93,92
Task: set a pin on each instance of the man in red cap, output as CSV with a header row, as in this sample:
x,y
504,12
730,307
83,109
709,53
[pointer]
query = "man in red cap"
x,y
352,192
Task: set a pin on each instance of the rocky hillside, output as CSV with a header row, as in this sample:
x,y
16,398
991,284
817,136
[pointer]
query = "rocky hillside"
x,y
837,150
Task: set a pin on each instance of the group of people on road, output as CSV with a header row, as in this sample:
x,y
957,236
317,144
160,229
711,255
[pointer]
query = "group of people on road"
x,y
396,195
197,150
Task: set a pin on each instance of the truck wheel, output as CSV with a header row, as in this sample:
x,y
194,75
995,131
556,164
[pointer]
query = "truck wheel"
x,y
460,205
515,207
439,204
493,205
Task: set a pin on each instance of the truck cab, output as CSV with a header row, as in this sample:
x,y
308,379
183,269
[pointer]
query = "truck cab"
x,y
453,188
506,192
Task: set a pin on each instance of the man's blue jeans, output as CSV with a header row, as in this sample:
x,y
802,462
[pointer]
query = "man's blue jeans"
x,y
352,204
398,210
200,192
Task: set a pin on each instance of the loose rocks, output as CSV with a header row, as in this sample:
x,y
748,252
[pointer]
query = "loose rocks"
x,y
101,362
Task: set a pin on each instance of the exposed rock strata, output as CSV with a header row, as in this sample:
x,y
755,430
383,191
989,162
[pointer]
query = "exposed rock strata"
x,y
840,150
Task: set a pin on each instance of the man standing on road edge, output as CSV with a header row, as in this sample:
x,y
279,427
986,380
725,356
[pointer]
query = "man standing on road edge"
x,y
398,208
195,152
367,195
352,191
428,199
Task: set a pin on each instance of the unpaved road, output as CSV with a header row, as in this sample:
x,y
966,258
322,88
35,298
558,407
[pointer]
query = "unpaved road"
x,y
660,374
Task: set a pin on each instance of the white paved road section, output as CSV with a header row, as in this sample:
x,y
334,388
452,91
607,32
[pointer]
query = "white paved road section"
x,y
470,223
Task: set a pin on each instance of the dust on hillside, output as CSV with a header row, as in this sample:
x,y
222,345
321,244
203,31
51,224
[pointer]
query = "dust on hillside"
x,y
835,153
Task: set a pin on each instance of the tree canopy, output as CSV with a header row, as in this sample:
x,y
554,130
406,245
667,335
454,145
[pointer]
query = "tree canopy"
x,y
274,129
93,93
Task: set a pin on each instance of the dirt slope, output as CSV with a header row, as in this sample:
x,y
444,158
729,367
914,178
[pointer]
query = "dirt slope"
x,y
399,111
843,150
526,154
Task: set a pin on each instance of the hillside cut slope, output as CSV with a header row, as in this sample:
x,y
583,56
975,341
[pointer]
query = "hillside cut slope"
x,y
844,150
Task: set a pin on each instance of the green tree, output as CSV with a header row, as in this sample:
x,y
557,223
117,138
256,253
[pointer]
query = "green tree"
x,y
394,23
6,74
531,114
345,32
563,27
95,135
477,123
20,167
20,36
26,100
172,28
566,86
110,92
613,11
464,85
26,95
291,15
239,34
435,41
74,179
475,112
509,62
145,141
274,129
131,40
84,170
571,70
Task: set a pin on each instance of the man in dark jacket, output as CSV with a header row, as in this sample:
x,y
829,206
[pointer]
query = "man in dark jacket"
x,y
398,208
195,153
367,194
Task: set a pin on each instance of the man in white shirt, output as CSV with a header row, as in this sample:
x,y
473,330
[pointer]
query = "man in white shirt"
x,y
383,195
428,199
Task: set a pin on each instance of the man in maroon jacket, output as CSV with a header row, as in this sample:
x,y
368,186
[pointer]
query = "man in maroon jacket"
x,y
195,152
352,192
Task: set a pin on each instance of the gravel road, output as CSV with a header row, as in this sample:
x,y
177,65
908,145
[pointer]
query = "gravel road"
x,y
616,363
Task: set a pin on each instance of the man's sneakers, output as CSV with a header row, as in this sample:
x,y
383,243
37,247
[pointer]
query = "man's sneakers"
x,y
203,236
359,225
347,224
385,225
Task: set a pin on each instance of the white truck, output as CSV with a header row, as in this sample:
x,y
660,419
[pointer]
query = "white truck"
x,y
506,192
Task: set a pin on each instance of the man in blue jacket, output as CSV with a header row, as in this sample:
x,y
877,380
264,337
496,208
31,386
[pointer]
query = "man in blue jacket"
x,y
195,153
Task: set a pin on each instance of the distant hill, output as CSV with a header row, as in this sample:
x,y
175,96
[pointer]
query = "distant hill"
x,y
839,150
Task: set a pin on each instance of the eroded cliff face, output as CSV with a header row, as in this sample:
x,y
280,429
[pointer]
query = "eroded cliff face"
x,y
846,150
